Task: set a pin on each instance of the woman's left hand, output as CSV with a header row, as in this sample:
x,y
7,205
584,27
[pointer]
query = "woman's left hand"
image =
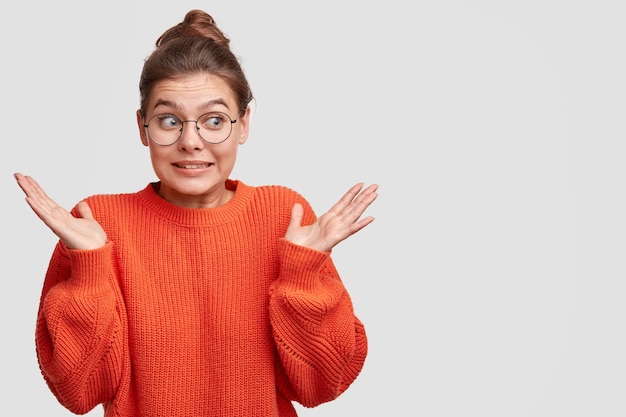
x,y
340,222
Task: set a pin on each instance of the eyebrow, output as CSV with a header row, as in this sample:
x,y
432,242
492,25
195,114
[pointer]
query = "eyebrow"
x,y
179,106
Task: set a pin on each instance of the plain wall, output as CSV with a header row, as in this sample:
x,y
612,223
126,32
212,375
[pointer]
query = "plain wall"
x,y
491,282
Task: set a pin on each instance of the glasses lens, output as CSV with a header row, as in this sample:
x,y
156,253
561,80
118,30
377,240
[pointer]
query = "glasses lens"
x,y
214,127
164,129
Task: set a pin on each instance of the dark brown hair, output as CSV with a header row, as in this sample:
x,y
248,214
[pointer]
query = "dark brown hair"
x,y
195,45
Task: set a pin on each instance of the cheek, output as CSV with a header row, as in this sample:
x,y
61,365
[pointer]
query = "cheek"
x,y
157,154
226,152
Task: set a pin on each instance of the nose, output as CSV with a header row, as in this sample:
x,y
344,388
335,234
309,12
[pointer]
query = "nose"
x,y
190,137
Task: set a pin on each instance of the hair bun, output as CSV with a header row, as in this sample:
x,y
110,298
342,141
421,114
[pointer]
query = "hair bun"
x,y
196,23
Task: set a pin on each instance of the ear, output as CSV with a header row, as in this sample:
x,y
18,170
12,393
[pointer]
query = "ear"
x,y
244,126
142,130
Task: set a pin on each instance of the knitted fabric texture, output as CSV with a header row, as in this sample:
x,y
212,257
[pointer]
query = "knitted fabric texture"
x,y
197,312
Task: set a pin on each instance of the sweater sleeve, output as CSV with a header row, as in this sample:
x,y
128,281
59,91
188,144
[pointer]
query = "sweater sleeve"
x,y
79,332
321,343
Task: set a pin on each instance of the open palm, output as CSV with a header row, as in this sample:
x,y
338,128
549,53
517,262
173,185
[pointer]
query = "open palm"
x,y
338,223
82,232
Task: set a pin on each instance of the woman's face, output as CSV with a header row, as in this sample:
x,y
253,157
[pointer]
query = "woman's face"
x,y
192,171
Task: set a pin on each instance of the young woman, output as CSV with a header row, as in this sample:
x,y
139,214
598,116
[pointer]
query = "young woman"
x,y
198,295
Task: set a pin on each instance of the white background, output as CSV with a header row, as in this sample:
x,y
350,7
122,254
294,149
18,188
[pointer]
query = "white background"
x,y
492,281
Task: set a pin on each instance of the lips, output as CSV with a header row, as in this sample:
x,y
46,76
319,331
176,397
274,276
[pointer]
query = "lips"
x,y
192,166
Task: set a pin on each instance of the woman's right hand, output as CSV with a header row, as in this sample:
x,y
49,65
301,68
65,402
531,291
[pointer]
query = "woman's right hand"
x,y
82,232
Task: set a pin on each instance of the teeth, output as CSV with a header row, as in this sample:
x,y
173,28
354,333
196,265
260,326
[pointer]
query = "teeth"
x,y
194,166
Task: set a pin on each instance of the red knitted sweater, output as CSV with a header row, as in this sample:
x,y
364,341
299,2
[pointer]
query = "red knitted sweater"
x,y
197,312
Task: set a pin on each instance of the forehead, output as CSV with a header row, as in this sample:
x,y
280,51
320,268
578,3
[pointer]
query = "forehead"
x,y
192,92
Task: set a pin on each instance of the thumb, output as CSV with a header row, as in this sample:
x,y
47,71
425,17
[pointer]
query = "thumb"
x,y
296,216
84,211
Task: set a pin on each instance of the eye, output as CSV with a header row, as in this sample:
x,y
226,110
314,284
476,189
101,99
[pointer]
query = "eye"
x,y
168,121
213,121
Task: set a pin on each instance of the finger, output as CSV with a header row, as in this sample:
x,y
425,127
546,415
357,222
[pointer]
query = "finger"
x,y
365,199
297,212
84,210
25,183
36,197
347,198
31,188
367,195
44,207
358,225
361,203
357,206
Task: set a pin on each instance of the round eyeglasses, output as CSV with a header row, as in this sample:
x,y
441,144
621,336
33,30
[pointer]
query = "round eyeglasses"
x,y
165,129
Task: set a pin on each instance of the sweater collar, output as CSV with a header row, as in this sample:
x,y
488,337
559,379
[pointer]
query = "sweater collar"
x,y
195,216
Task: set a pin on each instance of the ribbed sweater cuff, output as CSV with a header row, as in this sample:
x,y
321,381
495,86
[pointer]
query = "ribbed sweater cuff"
x,y
91,269
300,267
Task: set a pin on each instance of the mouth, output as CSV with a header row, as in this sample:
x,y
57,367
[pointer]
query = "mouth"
x,y
192,166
